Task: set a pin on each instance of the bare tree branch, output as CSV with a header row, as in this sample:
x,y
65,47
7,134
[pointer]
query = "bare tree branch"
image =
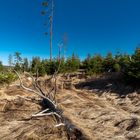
x,y
51,103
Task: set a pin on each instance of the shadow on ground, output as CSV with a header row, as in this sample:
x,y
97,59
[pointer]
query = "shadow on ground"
x,y
113,85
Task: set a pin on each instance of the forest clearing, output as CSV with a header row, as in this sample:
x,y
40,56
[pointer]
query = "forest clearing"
x,y
69,70
90,113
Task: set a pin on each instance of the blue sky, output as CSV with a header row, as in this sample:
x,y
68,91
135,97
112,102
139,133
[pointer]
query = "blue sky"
x,y
92,26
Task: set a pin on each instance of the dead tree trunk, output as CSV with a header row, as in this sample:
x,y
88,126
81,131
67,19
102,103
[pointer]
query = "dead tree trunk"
x,y
48,104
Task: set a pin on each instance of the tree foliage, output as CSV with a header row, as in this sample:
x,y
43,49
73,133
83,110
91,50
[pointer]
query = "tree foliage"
x,y
72,63
93,65
1,66
18,61
127,65
132,72
7,77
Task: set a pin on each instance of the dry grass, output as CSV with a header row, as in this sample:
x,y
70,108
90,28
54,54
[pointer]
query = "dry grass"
x,y
105,117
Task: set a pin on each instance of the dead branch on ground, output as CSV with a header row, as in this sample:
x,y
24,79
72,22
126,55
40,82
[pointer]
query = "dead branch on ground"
x,y
48,101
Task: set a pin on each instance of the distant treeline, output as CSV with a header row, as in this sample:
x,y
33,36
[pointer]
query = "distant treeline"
x,y
128,65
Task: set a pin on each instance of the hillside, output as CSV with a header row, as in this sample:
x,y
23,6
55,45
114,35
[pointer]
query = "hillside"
x,y
95,114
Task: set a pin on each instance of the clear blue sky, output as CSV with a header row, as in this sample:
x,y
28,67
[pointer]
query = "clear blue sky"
x,y
92,26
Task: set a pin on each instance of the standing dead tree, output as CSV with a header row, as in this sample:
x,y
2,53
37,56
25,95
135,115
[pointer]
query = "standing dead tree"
x,y
48,11
47,100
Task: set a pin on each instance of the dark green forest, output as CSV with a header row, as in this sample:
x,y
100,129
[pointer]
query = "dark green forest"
x,y
126,65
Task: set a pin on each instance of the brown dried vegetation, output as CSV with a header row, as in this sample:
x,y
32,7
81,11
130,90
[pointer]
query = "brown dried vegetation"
x,y
88,115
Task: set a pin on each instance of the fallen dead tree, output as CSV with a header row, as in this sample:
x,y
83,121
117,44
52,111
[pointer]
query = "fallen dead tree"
x,y
48,103
47,100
